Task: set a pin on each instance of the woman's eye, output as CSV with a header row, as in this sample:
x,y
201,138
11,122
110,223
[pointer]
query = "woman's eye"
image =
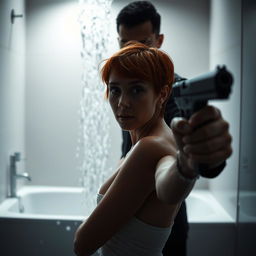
x,y
114,91
137,90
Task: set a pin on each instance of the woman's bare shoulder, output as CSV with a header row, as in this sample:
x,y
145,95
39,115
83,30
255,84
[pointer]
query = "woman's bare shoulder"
x,y
146,153
157,146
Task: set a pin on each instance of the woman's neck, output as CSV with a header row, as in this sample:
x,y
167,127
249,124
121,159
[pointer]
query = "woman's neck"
x,y
149,129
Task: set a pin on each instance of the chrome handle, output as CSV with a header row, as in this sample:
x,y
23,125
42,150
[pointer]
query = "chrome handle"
x,y
13,16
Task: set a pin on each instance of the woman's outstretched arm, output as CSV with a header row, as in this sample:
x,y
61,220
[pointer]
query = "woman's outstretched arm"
x,y
172,186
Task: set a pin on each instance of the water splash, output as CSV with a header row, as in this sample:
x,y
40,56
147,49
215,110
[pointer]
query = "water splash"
x,y
94,145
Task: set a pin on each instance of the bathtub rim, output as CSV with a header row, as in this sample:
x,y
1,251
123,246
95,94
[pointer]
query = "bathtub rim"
x,y
8,202
222,217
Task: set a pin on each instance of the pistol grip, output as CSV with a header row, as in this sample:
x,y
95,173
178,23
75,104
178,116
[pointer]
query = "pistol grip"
x,y
199,105
205,172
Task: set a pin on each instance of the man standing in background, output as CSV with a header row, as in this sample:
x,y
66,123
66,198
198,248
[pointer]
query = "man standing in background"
x,y
139,21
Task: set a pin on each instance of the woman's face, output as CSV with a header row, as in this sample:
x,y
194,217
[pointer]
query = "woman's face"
x,y
132,100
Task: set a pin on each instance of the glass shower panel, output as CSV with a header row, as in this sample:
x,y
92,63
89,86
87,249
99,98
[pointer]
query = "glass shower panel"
x,y
247,179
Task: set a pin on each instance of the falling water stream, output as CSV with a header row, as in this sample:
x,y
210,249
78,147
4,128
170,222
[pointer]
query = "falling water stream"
x,y
93,144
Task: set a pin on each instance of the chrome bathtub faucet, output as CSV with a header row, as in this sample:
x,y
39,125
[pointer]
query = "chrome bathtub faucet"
x,y
14,175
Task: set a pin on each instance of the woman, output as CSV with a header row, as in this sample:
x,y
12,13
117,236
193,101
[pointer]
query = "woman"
x,y
130,219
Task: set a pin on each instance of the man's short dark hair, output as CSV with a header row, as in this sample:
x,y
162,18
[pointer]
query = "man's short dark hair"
x,y
138,12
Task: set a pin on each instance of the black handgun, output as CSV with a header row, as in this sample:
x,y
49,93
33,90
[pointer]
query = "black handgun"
x,y
193,94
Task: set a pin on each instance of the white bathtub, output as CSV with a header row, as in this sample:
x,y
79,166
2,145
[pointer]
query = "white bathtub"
x,y
68,203
44,219
42,202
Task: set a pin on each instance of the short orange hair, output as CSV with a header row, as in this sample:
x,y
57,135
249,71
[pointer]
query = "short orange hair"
x,y
140,61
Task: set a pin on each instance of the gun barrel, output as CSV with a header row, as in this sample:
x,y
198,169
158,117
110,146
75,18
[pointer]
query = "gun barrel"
x,y
212,85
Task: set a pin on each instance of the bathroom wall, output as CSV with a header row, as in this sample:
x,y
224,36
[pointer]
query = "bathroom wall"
x,y
53,88
53,81
12,85
186,30
225,48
